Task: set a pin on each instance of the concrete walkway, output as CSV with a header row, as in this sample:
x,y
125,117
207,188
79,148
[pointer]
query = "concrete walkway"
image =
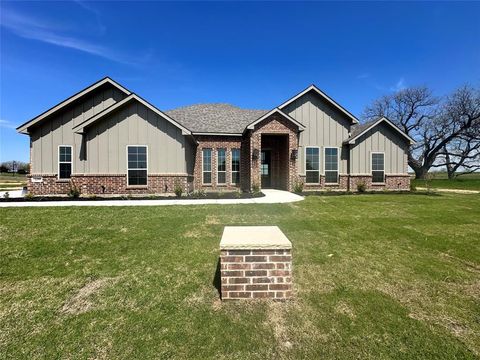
x,y
455,191
271,197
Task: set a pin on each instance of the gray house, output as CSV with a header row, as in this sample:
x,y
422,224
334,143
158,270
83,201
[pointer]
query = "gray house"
x,y
107,140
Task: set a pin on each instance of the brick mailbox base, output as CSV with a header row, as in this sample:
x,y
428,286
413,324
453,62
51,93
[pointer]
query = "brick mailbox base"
x,y
256,262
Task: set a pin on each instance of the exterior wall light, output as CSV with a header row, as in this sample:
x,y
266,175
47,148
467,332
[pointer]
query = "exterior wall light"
x,y
255,154
294,154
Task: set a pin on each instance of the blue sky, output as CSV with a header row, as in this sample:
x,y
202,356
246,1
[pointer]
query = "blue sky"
x,y
254,55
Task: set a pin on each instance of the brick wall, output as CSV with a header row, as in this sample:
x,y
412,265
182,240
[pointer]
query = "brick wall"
x,y
251,274
218,142
392,182
274,124
108,184
341,186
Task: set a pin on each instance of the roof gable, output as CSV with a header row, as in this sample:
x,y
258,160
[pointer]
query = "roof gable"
x,y
23,129
80,128
323,96
251,126
361,129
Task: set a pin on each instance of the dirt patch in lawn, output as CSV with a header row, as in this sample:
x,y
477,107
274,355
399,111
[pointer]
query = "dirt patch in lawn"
x,y
82,300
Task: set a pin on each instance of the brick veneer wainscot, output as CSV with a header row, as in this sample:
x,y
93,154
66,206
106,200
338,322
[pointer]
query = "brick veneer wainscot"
x,y
107,184
252,274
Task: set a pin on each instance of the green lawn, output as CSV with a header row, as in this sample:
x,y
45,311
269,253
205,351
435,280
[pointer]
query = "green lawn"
x,y
440,181
376,276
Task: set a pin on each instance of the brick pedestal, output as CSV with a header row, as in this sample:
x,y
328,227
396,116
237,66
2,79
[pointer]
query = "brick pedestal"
x,y
256,262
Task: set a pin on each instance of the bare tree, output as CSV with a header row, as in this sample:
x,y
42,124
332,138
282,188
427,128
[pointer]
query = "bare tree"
x,y
432,124
462,153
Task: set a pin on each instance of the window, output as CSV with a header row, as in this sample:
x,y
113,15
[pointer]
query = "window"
x,y
235,166
331,165
312,165
137,165
378,167
221,167
64,161
207,166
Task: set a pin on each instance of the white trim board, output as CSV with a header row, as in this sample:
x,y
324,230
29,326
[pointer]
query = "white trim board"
x,y
80,128
23,129
326,97
383,119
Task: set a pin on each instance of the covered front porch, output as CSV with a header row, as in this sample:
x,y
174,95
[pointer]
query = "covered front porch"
x,y
274,151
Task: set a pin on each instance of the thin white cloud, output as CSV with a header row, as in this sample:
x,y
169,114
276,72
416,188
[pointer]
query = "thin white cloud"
x,y
400,85
363,76
35,29
6,124
89,8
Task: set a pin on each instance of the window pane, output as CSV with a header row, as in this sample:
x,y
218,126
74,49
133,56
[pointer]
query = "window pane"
x,y
207,177
137,177
65,154
331,177
221,165
378,162
312,159
207,159
236,177
65,170
222,178
137,158
312,177
378,176
331,159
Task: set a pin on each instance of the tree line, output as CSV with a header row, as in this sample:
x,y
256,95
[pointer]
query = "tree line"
x,y
446,129
15,166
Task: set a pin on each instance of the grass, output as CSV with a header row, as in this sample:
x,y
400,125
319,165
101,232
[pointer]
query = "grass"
x,y
10,181
376,276
440,181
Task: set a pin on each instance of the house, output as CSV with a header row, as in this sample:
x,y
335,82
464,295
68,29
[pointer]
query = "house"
x,y
107,140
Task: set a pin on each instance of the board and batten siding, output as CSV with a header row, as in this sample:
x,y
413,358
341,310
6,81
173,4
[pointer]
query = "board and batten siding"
x,y
49,134
325,127
169,152
381,138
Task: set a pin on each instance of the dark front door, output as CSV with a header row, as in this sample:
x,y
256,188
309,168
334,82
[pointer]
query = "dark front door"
x,y
266,169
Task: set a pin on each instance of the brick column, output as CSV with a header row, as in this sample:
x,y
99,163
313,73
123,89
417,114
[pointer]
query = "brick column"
x,y
256,262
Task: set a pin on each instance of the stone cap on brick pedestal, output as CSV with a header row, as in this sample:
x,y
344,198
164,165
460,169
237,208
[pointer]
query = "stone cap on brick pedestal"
x,y
253,237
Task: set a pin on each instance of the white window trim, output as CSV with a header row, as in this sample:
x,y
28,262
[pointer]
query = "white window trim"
x,y
371,167
217,172
338,164
211,165
64,162
319,164
231,164
128,179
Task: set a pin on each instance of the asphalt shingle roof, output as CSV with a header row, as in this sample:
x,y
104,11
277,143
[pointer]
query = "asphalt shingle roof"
x,y
215,118
358,128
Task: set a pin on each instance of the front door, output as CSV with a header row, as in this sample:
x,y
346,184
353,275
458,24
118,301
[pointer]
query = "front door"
x,y
266,169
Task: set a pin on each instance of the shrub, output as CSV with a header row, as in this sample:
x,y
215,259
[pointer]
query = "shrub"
x,y
298,187
6,195
178,190
199,193
255,188
29,196
74,191
361,186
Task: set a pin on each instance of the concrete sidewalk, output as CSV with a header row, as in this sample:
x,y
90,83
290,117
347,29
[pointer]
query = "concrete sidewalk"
x,y
456,191
271,197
